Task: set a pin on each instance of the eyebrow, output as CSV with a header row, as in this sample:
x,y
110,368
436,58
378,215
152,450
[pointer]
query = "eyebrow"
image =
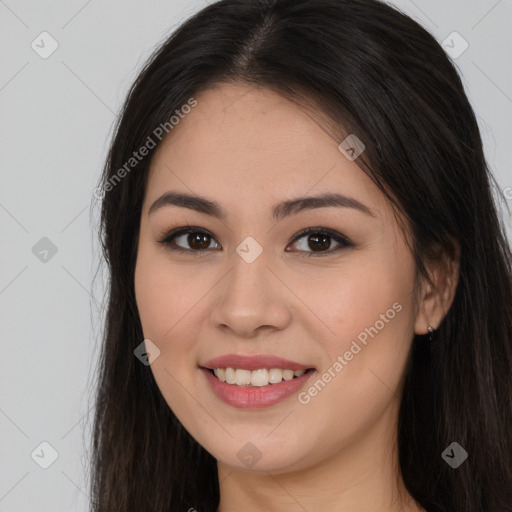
x,y
280,210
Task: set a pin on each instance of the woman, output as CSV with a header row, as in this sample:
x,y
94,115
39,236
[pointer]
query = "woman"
x,y
311,291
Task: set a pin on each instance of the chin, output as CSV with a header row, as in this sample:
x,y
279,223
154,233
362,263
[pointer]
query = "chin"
x,y
260,455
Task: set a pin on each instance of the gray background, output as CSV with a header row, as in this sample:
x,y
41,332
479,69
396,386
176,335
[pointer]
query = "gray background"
x,y
56,121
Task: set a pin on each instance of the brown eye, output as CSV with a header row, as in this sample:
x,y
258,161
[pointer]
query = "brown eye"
x,y
318,241
198,241
189,240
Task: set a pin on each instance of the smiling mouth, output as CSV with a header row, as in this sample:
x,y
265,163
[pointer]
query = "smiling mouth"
x,y
256,378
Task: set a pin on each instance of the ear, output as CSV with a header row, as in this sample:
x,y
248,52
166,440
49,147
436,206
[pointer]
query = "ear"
x,y
434,302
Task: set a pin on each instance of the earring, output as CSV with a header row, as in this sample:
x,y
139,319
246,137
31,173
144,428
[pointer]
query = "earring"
x,y
430,333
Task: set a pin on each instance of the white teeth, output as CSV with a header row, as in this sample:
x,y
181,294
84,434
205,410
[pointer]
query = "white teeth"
x,y
275,376
230,376
256,378
259,377
220,373
242,377
288,374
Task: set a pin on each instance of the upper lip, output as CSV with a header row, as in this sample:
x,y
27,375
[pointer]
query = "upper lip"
x,y
254,362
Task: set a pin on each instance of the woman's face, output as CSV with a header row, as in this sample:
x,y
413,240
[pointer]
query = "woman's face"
x,y
343,307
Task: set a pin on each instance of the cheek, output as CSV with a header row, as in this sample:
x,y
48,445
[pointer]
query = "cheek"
x,y
361,374
369,298
161,295
169,305
152,302
163,303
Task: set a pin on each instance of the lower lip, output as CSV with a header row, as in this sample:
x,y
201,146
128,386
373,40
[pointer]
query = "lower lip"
x,y
255,397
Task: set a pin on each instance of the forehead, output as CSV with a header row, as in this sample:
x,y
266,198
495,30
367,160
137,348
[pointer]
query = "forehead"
x,y
246,142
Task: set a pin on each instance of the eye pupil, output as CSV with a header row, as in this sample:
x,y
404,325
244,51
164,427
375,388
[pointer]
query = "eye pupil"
x,y
196,237
322,245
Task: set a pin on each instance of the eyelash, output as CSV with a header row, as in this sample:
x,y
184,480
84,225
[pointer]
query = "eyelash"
x,y
168,240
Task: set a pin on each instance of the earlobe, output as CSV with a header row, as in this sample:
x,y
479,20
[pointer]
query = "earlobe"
x,y
429,303
436,299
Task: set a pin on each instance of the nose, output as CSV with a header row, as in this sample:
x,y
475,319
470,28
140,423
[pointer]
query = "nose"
x,y
251,299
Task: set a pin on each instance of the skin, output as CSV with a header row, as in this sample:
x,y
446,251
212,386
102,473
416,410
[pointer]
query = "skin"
x,y
248,148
